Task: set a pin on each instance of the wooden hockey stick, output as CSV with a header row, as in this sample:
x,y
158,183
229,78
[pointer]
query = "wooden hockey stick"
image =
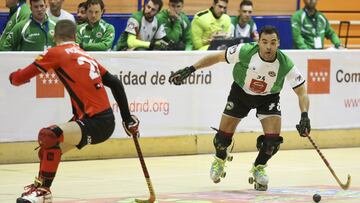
x,y
146,173
343,186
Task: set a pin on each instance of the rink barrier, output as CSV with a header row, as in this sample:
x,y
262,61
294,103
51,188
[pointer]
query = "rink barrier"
x,y
23,152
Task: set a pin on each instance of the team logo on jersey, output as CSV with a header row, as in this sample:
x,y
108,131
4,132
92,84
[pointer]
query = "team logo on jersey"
x,y
48,85
154,29
131,25
272,73
318,79
229,105
52,32
232,49
99,35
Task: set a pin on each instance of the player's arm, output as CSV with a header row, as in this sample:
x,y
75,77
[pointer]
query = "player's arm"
x,y
24,75
134,43
130,122
303,98
178,76
299,41
330,34
197,33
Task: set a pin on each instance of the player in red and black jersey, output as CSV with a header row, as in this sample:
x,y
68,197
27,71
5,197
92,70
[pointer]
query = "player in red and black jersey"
x,y
93,120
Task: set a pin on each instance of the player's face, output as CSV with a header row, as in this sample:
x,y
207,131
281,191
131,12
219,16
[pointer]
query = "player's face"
x,y
10,3
81,15
150,10
268,45
176,7
94,13
55,5
38,10
220,8
245,13
310,3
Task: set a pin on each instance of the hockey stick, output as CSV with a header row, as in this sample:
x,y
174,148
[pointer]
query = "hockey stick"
x,y
146,173
343,186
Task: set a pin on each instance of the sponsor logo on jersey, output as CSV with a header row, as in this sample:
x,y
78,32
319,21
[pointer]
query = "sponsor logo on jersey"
x,y
272,73
48,85
258,86
318,76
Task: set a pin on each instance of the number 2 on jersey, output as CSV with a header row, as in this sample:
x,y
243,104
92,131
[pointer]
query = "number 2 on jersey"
x,y
94,70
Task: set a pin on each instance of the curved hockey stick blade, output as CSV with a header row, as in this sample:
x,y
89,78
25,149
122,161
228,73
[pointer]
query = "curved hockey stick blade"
x,y
347,185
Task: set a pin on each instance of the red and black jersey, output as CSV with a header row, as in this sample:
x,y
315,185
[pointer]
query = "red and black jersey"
x,y
81,76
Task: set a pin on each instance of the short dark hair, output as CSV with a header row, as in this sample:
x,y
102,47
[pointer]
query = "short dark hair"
x,y
176,1
246,3
216,1
92,2
158,2
269,29
36,1
65,29
82,5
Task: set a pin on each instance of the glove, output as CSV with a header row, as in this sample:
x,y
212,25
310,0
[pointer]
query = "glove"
x,y
132,128
180,75
304,125
158,45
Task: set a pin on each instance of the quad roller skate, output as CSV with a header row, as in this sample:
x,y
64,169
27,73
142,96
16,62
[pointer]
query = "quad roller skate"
x,y
34,193
259,179
217,170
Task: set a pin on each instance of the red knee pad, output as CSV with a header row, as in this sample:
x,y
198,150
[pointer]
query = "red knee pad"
x,y
50,137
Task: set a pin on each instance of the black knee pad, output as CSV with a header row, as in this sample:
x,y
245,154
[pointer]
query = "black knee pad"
x,y
270,145
221,142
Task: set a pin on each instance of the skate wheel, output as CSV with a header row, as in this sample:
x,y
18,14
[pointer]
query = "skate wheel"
x,y
229,158
251,180
223,174
256,186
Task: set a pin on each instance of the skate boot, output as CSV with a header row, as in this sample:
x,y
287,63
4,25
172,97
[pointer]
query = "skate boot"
x,y
217,170
259,179
34,193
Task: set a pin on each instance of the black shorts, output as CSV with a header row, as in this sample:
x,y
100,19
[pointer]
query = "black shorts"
x,y
96,129
239,103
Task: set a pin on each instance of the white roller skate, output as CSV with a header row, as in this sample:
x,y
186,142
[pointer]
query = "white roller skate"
x,y
217,170
259,179
34,193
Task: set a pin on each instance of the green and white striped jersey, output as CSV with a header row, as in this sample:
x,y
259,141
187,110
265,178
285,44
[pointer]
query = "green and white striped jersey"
x,y
258,77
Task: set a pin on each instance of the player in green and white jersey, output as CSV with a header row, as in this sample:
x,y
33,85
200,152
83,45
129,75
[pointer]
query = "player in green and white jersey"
x,y
144,31
260,70
243,26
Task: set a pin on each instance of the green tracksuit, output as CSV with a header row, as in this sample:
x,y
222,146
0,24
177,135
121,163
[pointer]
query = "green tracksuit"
x,y
309,31
177,30
18,13
29,35
97,38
